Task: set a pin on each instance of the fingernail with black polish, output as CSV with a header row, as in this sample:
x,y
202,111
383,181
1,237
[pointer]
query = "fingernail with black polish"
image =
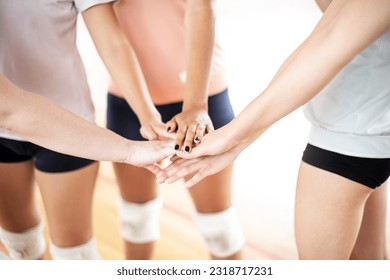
x,y
187,149
197,138
177,147
168,129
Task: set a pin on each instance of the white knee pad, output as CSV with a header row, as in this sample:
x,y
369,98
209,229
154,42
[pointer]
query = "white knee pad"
x,y
140,222
222,232
27,245
86,251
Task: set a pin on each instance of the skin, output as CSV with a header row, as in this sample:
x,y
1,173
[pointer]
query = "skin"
x,y
323,233
72,227
138,185
34,118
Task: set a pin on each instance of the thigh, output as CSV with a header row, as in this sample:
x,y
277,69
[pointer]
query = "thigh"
x,y
18,210
371,241
328,212
214,193
67,198
136,184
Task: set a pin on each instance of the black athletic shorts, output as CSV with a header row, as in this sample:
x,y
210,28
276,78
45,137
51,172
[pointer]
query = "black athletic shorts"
x,y
13,151
122,120
371,172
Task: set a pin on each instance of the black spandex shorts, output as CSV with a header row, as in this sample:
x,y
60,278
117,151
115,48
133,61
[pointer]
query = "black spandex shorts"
x,y
12,151
122,120
370,172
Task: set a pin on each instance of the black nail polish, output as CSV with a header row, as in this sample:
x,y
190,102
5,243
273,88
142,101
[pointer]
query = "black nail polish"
x,y
168,129
187,149
197,138
177,147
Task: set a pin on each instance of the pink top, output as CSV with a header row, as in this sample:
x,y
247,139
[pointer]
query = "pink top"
x,y
155,29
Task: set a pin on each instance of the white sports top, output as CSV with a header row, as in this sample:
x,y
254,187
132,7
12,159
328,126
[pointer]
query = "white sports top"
x,y
38,51
351,115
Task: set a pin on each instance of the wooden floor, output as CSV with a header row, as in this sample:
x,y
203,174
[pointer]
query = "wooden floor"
x,y
180,238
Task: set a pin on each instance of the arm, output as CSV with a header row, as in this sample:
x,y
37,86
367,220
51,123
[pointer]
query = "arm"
x,y
346,28
323,4
38,120
194,120
122,63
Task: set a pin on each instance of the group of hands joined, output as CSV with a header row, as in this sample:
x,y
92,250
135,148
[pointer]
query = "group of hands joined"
x,y
195,150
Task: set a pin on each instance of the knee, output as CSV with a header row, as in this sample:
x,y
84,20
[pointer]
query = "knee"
x,y
221,231
140,222
27,245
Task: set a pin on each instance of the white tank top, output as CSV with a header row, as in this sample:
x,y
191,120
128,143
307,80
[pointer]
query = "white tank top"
x,y
351,115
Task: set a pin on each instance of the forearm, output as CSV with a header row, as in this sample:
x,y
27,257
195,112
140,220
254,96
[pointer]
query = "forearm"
x,y
120,59
199,24
40,121
347,28
323,4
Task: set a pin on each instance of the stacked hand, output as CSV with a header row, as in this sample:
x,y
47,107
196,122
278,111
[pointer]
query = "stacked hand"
x,y
198,149
215,152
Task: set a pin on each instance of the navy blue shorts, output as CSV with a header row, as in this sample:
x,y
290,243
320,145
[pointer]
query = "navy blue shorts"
x,y
13,151
122,120
371,172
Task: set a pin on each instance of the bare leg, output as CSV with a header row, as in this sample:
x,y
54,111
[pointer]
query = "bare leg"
x,y
371,242
67,198
328,213
18,208
136,185
214,194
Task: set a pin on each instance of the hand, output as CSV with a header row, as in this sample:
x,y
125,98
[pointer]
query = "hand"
x,y
214,143
155,129
202,167
148,153
191,126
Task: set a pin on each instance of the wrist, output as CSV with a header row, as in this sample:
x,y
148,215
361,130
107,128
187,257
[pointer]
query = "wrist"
x,y
129,155
148,117
188,106
195,102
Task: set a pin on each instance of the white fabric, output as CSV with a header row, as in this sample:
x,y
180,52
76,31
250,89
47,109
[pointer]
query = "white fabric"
x,y
221,231
28,245
140,222
351,115
38,52
85,251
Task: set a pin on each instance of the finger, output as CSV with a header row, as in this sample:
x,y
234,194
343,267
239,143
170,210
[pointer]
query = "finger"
x,y
196,152
209,128
174,158
148,133
154,168
169,170
200,132
173,168
189,139
196,178
185,170
162,133
180,136
172,125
